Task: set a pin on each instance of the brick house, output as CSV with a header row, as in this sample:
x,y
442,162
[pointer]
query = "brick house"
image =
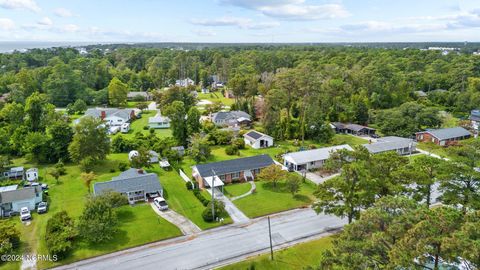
x,y
443,136
229,171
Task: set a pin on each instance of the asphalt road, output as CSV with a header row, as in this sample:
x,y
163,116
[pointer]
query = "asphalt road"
x,y
219,246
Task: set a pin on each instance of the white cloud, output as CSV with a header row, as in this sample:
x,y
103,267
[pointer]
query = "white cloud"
x,y
6,24
292,9
63,12
204,32
45,21
70,28
243,23
20,4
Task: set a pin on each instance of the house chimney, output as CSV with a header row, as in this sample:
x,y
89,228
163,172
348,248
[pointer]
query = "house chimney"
x,y
140,171
103,115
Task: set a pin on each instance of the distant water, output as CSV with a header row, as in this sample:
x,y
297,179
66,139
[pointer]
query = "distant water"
x,y
10,46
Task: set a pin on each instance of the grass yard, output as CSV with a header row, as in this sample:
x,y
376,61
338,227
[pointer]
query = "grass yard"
x,y
299,256
131,218
267,199
215,97
70,195
235,190
138,124
182,200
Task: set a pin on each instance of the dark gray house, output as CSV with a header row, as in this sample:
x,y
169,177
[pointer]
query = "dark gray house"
x,y
232,118
136,184
352,129
228,171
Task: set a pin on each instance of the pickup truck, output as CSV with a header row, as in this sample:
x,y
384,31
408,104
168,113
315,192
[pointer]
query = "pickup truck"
x,y
42,208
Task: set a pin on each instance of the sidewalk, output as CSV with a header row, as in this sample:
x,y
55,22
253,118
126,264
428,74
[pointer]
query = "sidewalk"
x,y
232,210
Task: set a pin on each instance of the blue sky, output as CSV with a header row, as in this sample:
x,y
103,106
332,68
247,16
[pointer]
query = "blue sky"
x,y
239,20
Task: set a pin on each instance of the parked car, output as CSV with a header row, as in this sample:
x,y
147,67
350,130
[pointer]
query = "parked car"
x,y
25,214
42,208
375,136
160,203
44,187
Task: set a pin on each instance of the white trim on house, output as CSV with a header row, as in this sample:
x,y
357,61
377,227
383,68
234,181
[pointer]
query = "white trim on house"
x,y
311,159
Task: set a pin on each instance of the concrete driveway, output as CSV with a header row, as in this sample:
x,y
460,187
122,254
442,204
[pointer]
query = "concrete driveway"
x,y
184,224
232,210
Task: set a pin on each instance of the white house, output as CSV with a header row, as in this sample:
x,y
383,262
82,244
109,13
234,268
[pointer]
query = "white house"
x,y
159,121
32,174
111,116
257,140
153,155
184,83
125,128
311,159
13,199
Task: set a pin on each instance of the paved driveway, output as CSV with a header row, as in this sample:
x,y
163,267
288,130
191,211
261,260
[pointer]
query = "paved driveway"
x,y
219,246
184,224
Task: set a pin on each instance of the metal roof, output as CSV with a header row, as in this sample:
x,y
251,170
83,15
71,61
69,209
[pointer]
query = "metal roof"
x,y
234,165
390,143
130,180
19,194
302,157
448,133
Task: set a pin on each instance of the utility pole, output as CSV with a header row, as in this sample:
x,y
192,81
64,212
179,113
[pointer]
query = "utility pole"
x,y
270,235
213,192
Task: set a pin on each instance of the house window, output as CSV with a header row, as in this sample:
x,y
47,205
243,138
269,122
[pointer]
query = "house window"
x,y
235,175
222,177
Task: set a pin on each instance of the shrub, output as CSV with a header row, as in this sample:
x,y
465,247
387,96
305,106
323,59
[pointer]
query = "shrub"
x,y
145,128
200,197
60,168
219,211
122,166
60,234
86,164
189,185
232,150
239,143
112,170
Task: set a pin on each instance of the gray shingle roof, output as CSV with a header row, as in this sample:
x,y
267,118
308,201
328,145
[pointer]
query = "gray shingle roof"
x,y
302,157
354,127
448,133
234,165
390,143
97,112
19,194
232,115
130,180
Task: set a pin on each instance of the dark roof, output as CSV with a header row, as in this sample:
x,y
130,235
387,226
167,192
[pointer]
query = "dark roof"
x,y
254,134
19,194
130,180
234,165
354,127
232,115
449,133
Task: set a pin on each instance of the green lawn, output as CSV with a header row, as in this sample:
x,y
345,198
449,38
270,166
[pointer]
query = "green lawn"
x,y
70,195
182,200
235,190
138,125
299,256
216,96
267,199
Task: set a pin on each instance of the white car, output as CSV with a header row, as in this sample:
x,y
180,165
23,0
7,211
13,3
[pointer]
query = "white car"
x,y
25,214
160,203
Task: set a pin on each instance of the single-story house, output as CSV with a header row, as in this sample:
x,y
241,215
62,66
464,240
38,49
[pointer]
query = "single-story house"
x,y
184,83
443,136
154,156
352,129
179,149
32,174
137,95
111,116
136,184
159,121
228,171
475,119
402,146
420,94
311,159
13,199
232,118
257,139
14,173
